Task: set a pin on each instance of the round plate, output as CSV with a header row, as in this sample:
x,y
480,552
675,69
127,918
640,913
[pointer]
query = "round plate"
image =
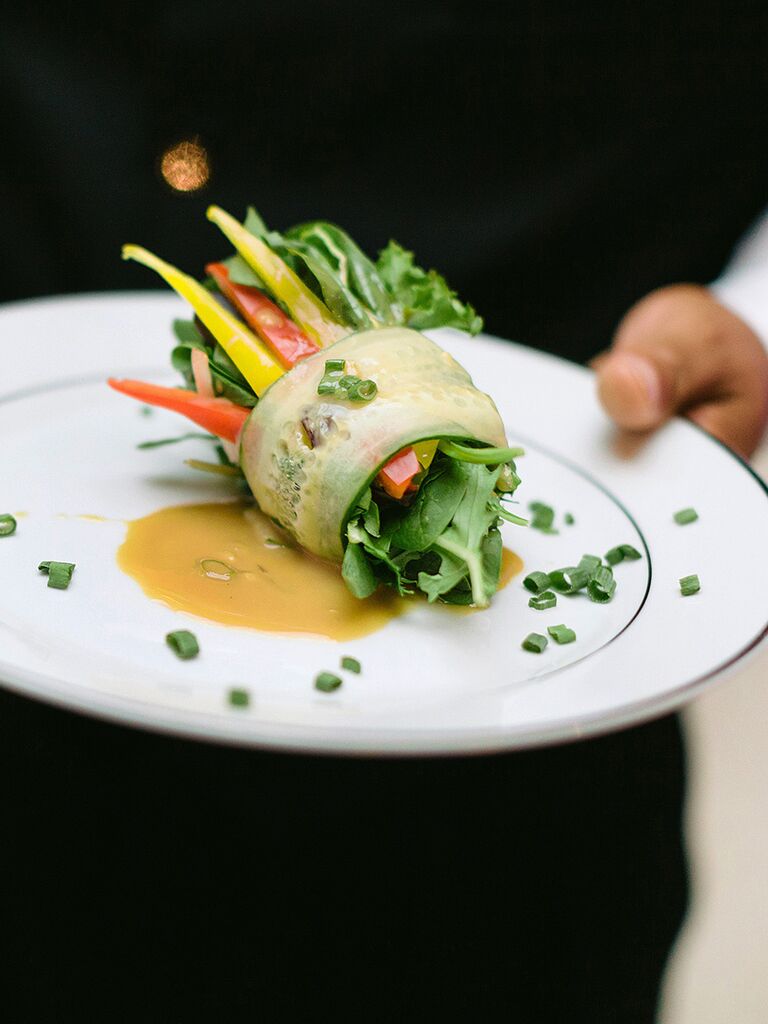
x,y
432,681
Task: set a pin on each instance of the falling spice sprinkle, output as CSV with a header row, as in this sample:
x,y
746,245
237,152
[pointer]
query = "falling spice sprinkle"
x,y
327,682
7,524
543,601
543,517
690,585
535,643
59,573
685,516
239,698
351,665
183,644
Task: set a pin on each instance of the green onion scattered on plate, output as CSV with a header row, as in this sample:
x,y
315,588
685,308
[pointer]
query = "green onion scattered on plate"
x,y
183,644
534,642
548,599
536,582
351,665
685,516
59,573
239,698
561,634
7,524
690,585
327,682
602,585
569,580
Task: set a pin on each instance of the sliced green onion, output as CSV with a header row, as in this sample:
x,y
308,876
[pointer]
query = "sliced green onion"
x,y
364,391
239,698
480,456
685,516
690,585
602,585
568,519
332,375
614,556
543,601
543,517
561,634
590,563
534,642
351,665
536,582
327,682
59,573
569,580
183,644
7,524
630,554
334,366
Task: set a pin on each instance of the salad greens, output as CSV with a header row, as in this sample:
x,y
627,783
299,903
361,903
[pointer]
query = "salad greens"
x,y
446,543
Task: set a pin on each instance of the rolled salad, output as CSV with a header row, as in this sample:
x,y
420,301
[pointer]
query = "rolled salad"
x,y
355,432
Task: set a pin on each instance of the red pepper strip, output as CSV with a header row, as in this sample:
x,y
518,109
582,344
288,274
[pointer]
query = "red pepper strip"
x,y
396,476
284,337
217,415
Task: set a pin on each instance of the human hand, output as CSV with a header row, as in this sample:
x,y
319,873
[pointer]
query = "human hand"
x,y
679,350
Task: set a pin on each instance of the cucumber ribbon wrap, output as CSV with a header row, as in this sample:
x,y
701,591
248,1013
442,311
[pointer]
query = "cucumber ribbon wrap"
x,y
308,458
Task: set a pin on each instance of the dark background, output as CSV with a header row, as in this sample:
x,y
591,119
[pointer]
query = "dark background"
x,y
556,163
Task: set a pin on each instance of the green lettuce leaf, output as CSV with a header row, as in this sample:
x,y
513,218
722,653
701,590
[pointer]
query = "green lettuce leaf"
x,y
425,296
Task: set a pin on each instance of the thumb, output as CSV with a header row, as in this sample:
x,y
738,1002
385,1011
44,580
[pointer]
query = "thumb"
x,y
679,350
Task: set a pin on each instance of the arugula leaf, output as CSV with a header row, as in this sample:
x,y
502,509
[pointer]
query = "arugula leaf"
x,y
425,296
187,333
340,299
241,273
462,541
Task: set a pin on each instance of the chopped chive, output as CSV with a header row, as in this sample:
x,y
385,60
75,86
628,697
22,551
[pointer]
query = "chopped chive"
x,y
327,682
183,644
535,643
590,563
543,601
614,556
59,573
602,585
685,516
543,517
569,580
690,585
328,387
630,554
335,365
364,391
351,665
561,634
7,524
536,582
568,519
239,698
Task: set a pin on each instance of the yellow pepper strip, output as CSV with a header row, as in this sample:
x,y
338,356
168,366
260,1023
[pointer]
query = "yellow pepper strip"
x,y
245,349
425,452
309,312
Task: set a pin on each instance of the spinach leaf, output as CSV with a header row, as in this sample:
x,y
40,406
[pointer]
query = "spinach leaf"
x,y
433,507
357,573
425,296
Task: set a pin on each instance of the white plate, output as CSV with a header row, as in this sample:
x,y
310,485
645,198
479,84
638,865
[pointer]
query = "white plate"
x,y
431,682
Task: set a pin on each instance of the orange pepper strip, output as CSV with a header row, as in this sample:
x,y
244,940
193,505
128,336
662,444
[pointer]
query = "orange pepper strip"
x,y
217,415
398,473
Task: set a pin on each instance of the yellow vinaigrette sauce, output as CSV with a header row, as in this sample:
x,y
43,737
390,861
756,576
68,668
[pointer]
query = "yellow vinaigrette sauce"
x,y
228,562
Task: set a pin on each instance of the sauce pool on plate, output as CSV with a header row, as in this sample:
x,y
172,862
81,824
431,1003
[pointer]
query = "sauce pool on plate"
x,y
228,562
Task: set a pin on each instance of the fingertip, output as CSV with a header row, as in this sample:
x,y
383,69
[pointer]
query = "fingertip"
x,y
629,387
